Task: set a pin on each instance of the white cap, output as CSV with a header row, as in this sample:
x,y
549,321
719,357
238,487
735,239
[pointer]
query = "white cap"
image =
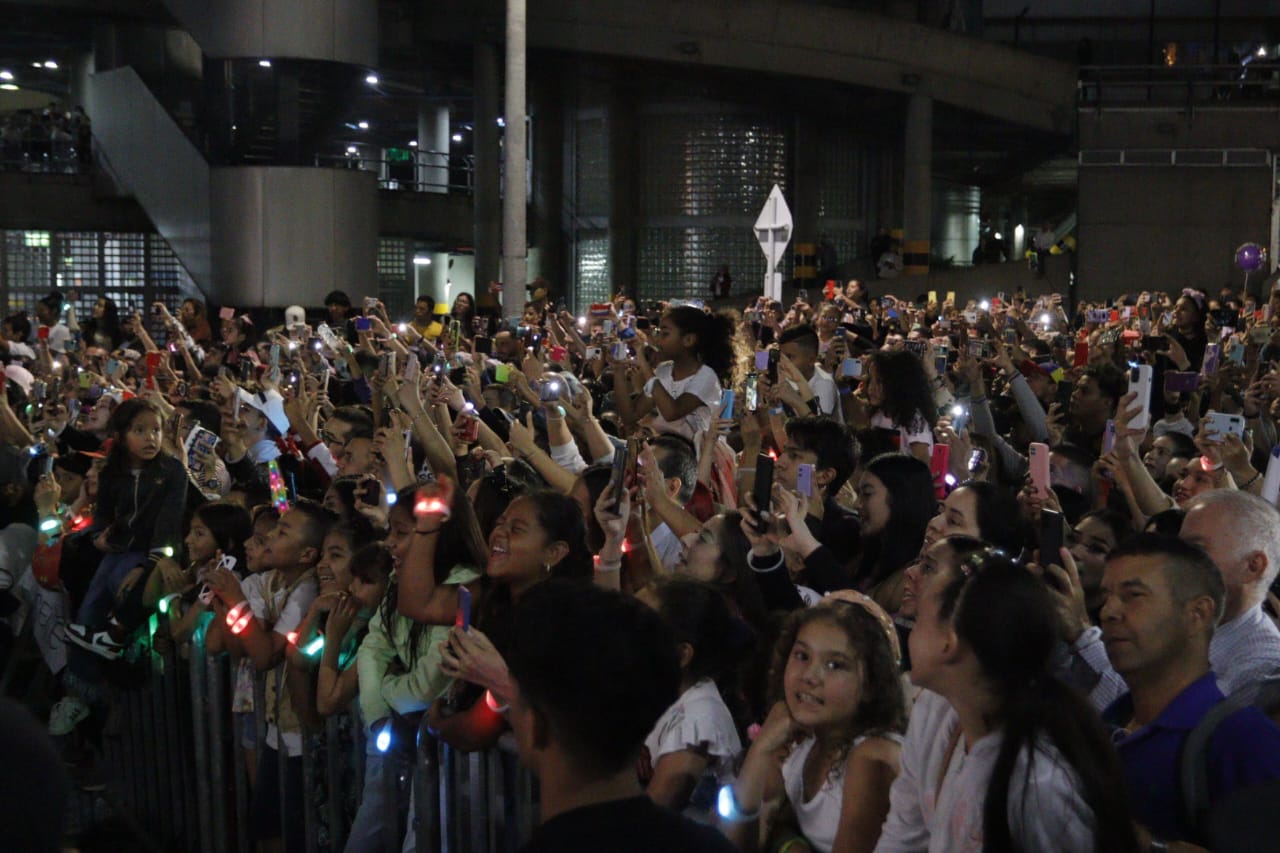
x,y
20,377
271,404
294,315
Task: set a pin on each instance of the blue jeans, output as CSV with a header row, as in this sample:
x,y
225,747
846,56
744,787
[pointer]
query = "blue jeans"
x,y
373,825
84,666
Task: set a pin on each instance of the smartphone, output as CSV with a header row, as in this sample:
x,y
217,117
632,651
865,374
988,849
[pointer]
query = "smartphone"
x,y
1180,382
363,324
643,324
940,364
468,427
592,353
549,390
1050,537
619,352
804,479
464,608
483,345
1108,437
751,392
1039,464
1221,423
1211,354
726,403
227,313
762,491
940,468
774,357
559,353
617,477
1140,378
979,349
762,361
851,367
502,373
959,419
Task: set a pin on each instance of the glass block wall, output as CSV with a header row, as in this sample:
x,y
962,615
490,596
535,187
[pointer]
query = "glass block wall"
x,y
395,276
704,178
846,194
588,234
133,269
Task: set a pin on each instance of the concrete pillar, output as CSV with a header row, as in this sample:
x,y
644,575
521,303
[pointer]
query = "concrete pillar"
x,y
620,124
432,158
515,204
917,170
487,205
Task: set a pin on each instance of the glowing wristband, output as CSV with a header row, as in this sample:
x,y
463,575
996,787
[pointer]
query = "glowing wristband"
x,y
291,638
727,807
314,647
167,602
1207,464
433,505
493,705
238,617
609,566
51,524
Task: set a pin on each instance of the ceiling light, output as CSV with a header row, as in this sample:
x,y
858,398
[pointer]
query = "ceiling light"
x,y
264,63
364,125
351,149
421,261
37,65
502,122
51,65
457,137
9,87
413,143
6,75
372,79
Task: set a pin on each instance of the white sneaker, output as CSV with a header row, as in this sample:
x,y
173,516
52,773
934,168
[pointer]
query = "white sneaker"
x,y
66,715
100,643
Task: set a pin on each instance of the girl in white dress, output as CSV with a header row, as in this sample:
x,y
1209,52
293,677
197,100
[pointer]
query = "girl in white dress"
x,y
827,754
693,746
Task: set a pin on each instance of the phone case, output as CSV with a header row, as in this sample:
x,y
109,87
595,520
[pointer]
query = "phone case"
x,y
804,479
1039,464
1140,379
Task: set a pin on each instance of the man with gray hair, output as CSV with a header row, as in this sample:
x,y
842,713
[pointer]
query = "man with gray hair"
x,y
1241,534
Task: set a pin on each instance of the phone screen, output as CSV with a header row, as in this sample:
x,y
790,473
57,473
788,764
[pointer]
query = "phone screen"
x,y
1050,536
464,608
762,490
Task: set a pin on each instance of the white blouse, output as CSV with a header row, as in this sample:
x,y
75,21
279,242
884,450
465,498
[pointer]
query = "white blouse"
x,y
699,719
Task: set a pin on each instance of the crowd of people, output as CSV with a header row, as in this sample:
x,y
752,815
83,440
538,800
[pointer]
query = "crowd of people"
x,y
865,573
48,140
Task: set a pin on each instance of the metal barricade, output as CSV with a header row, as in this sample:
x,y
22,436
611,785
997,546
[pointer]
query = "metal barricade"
x,y
177,769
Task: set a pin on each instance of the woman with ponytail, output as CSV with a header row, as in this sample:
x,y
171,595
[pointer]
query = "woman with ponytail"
x,y
999,755
698,353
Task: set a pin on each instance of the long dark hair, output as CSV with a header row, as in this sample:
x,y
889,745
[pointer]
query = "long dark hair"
x,y
732,577
1007,617
108,326
999,520
118,426
459,545
231,526
561,520
717,336
467,317
905,387
909,484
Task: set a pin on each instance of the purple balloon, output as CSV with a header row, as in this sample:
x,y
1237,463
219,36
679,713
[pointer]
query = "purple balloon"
x,y
1249,257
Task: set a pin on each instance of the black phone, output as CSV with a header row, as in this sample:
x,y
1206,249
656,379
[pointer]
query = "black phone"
x,y
642,323
762,491
1050,536
618,476
483,345
774,356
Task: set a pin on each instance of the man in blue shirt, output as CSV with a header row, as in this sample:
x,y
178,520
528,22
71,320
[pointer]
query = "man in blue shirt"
x,y
1163,599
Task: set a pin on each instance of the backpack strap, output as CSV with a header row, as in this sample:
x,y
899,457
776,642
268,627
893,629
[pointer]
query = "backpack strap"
x,y
1193,762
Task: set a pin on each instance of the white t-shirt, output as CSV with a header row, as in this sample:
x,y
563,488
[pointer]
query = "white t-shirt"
x,y
937,804
699,718
667,546
916,432
282,609
823,386
704,384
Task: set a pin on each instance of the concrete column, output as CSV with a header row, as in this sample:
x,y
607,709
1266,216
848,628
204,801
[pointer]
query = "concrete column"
x,y
487,206
917,170
515,205
620,124
433,148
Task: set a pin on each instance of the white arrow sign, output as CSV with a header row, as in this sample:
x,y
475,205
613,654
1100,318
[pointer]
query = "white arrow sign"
x,y
773,230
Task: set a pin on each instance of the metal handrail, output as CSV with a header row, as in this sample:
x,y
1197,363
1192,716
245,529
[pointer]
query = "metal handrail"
x,y
1257,80
428,167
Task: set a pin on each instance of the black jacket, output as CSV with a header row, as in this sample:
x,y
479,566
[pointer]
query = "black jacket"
x,y
142,511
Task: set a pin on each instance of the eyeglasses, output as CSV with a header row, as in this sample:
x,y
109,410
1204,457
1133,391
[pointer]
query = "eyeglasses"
x,y
329,438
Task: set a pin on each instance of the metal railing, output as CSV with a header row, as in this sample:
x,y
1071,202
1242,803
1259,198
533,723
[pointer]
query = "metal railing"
x,y
175,769
1255,83
425,171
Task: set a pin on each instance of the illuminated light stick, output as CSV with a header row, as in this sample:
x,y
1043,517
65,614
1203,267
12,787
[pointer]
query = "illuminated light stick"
x,y
314,647
383,741
279,492
238,617
167,602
